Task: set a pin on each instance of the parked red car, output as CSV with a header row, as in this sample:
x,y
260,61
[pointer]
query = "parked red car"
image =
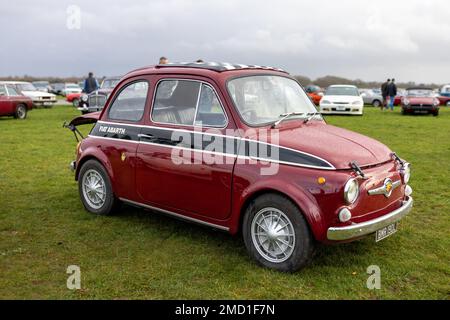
x,y
12,103
420,100
74,98
239,148
315,93
444,101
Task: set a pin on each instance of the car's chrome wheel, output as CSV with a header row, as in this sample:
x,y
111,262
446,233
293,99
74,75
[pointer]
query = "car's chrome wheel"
x,y
94,189
273,235
21,112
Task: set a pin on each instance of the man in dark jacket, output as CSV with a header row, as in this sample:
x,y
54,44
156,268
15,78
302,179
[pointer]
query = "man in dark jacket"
x,y
90,84
384,93
392,92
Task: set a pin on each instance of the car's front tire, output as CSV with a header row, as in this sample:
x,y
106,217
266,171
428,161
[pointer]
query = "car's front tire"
x,y
75,102
276,233
95,189
376,103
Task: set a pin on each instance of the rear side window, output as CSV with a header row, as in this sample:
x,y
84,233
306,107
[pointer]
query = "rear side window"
x,y
185,102
129,105
2,90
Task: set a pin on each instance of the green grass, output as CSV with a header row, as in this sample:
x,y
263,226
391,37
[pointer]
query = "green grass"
x,y
140,254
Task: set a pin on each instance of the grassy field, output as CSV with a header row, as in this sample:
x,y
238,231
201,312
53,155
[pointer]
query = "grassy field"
x,y
140,254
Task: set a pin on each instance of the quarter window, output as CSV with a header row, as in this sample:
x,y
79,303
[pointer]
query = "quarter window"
x,y
3,91
209,111
185,102
129,105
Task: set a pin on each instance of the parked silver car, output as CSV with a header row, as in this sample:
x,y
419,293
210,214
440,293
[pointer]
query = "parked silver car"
x,y
371,96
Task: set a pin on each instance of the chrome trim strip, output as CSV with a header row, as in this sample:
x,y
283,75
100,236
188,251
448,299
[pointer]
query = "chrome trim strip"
x,y
177,215
331,167
361,229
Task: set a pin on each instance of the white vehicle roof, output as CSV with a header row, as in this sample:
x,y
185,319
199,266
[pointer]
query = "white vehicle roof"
x,y
344,86
14,82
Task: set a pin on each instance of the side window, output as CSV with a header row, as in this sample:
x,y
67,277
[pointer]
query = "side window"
x,y
176,102
209,111
129,105
12,91
3,90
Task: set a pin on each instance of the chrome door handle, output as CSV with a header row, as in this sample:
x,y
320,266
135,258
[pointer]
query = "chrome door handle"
x,y
145,136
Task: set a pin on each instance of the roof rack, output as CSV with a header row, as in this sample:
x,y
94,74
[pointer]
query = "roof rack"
x,y
215,66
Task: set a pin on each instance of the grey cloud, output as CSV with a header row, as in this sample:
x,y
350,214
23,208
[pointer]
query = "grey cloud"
x,y
357,39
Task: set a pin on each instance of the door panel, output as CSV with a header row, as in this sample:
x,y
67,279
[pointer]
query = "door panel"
x,y
173,172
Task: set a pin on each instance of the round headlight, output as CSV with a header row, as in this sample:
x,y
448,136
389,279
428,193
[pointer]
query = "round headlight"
x,y
351,191
84,97
406,172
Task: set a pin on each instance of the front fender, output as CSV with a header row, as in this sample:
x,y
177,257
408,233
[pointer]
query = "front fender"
x,y
301,197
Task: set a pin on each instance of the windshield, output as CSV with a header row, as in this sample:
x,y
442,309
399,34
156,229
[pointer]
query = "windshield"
x,y
26,87
110,84
342,91
264,99
419,93
72,86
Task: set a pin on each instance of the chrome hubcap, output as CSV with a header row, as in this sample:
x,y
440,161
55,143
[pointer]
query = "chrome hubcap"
x,y
94,189
273,235
21,112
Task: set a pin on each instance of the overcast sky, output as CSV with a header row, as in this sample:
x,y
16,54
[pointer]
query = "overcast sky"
x,y
370,40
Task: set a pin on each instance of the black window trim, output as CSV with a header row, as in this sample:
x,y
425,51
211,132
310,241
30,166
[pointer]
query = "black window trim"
x,y
196,107
126,85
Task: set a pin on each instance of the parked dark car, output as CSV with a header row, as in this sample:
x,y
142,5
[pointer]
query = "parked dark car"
x,y
151,147
420,100
95,101
12,103
57,88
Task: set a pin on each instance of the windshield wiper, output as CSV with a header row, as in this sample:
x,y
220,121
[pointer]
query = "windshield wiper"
x,y
311,115
285,116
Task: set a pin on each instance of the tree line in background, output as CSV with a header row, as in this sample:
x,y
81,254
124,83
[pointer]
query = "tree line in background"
x,y
321,82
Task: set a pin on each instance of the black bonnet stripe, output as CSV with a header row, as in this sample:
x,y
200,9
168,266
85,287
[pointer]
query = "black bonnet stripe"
x,y
203,141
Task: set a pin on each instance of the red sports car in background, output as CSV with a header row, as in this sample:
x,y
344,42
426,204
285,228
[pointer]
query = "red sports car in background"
x,y
315,93
420,100
12,103
74,98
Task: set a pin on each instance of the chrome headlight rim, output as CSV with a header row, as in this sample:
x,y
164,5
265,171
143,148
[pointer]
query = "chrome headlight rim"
x,y
405,172
350,194
84,97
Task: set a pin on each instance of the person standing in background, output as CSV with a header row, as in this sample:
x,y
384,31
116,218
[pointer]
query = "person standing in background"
x,y
384,94
163,60
90,84
392,92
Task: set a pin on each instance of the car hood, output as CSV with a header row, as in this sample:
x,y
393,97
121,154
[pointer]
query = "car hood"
x,y
36,94
335,145
420,100
346,99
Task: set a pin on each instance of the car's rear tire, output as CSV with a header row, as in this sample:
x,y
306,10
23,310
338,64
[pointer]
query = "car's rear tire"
x,y
95,189
21,112
75,102
276,233
376,103
448,103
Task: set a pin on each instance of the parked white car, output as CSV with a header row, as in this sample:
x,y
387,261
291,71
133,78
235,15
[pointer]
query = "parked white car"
x,y
39,98
71,88
342,99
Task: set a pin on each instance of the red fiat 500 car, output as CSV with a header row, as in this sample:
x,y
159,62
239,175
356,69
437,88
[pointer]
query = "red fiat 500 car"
x,y
420,100
12,103
239,148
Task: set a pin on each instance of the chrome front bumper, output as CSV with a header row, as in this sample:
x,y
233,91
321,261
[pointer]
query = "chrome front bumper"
x,y
364,228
